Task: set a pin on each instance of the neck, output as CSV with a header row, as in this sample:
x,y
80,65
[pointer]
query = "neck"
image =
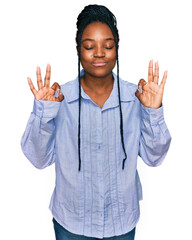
x,y
97,84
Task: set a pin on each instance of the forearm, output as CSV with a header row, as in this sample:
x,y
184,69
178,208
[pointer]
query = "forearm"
x,y
38,140
155,137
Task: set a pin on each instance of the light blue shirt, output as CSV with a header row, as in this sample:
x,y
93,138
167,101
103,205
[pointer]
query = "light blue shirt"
x,y
101,200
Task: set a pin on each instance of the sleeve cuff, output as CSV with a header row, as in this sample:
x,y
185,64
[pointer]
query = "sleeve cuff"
x,y
46,109
152,115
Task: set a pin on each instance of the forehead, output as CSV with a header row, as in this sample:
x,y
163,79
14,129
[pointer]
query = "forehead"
x,y
97,30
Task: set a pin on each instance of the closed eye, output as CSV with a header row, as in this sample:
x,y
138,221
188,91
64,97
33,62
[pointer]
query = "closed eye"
x,y
88,48
109,47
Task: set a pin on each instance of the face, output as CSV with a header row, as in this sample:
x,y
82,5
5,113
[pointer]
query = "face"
x,y
98,52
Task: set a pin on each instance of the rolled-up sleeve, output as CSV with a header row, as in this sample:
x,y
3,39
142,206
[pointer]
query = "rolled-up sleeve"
x,y
38,140
155,137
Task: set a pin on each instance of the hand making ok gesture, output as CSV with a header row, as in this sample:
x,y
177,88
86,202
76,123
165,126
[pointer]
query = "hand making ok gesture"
x,y
152,93
45,92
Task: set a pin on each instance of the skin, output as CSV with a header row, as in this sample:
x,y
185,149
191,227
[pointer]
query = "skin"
x,y
45,92
97,45
152,93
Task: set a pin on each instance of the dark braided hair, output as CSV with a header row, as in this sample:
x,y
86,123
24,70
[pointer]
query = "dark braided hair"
x,y
90,14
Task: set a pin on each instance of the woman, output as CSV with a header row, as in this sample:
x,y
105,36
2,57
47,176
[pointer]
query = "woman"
x,y
93,128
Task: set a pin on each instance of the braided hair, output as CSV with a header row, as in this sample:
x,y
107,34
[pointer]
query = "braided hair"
x,y
90,14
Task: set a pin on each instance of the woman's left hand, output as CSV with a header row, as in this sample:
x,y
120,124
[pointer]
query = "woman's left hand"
x,y
152,93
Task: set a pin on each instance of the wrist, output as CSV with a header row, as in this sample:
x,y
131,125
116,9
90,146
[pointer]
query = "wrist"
x,y
152,106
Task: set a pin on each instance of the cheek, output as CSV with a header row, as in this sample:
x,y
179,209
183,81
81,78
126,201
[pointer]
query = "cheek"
x,y
112,57
86,56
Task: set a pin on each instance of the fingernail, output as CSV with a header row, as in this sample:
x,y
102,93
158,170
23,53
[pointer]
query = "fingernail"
x,y
137,91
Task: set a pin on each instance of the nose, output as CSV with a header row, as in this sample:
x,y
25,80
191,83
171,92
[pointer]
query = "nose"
x,y
99,52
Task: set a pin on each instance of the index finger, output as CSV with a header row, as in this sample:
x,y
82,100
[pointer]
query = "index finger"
x,y
150,71
47,76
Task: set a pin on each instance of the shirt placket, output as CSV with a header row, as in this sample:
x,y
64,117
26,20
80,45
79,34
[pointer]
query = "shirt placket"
x,y
97,143
99,146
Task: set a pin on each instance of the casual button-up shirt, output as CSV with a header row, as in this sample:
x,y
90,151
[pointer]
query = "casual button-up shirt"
x,y
101,200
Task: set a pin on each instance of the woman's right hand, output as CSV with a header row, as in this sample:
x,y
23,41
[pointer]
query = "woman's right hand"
x,y
45,92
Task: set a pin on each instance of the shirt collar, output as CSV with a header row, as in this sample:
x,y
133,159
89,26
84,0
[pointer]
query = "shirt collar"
x,y
72,91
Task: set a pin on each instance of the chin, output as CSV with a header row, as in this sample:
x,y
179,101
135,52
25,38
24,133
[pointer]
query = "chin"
x,y
99,72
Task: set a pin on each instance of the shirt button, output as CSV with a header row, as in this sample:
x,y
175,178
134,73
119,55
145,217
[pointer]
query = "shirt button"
x,y
99,147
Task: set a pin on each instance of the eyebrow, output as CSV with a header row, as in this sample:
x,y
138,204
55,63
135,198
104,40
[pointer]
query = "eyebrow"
x,y
89,39
107,39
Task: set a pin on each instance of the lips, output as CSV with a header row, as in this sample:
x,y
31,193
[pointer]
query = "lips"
x,y
99,64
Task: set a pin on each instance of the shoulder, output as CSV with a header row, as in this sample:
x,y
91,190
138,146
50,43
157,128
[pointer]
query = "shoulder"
x,y
127,89
127,84
68,84
70,90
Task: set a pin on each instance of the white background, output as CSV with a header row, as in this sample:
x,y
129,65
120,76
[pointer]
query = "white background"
x,y
34,33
